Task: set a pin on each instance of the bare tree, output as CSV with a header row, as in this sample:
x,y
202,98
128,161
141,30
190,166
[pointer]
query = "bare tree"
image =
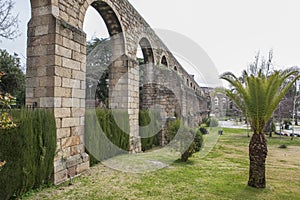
x,y
8,22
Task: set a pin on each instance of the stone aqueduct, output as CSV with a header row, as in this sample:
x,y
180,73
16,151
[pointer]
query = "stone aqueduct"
x,y
56,71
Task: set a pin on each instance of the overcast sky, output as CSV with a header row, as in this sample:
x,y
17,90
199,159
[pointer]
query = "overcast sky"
x,y
231,32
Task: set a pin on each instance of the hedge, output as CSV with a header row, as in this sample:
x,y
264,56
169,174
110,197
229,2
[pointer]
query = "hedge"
x,y
106,133
149,123
29,152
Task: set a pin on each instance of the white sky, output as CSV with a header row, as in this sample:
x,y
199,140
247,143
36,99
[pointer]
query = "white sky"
x,y
231,32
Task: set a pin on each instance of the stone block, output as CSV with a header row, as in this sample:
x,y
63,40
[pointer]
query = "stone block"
x,y
78,149
72,171
85,157
63,72
72,64
83,167
62,92
59,165
41,30
71,102
57,81
82,121
70,122
83,85
29,92
83,49
65,152
60,176
77,112
32,81
58,122
62,112
83,66
78,93
70,141
75,84
50,102
78,56
46,81
82,103
74,160
63,133
66,82
79,75
62,51
77,130
37,51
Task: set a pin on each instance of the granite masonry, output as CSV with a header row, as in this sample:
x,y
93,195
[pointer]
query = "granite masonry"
x,y
56,73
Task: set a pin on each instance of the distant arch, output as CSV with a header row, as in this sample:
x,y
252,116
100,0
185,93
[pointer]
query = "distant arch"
x,y
164,61
146,50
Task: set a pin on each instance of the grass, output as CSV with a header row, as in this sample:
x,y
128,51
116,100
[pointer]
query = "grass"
x,y
220,174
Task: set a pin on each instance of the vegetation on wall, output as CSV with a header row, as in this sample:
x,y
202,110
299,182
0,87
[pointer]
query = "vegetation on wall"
x,y
28,151
106,133
149,127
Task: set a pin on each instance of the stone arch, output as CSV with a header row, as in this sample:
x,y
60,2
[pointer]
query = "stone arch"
x,y
164,61
113,24
146,50
109,16
56,72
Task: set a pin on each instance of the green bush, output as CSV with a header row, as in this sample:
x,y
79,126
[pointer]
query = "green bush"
x,y
149,125
28,150
195,145
211,122
172,129
104,138
183,139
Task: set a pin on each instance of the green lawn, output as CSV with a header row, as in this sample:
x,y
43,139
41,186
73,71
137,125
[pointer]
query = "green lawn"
x,y
221,174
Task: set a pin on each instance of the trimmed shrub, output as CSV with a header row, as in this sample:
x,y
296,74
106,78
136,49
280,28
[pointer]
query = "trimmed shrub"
x,y
149,125
172,129
105,136
183,139
211,122
28,150
194,147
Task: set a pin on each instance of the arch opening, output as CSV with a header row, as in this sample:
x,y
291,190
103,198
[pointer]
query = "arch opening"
x,y
146,49
104,77
164,61
104,37
109,16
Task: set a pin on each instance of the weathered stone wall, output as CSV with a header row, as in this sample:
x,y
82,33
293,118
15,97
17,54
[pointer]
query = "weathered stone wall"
x,y
56,67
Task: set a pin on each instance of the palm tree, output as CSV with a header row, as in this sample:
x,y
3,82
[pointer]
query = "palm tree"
x,y
259,96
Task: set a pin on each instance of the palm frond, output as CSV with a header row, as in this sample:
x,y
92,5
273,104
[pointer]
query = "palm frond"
x,y
260,94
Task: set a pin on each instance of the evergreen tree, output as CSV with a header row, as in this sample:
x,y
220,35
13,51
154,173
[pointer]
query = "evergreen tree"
x,y
13,81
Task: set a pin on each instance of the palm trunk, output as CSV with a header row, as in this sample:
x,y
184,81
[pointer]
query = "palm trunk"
x,y
257,155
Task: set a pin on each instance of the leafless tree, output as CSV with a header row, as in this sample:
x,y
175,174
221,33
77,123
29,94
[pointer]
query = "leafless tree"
x,y
8,22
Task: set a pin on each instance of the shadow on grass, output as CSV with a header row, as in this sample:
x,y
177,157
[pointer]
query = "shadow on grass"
x,y
179,162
